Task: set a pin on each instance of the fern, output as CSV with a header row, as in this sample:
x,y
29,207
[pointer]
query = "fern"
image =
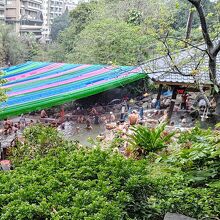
x,y
149,140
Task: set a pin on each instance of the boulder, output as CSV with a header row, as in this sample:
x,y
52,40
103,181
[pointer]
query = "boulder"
x,y
173,216
5,165
146,105
146,99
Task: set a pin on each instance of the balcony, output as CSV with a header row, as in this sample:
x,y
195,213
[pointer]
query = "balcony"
x,y
2,17
34,1
32,8
32,22
30,28
12,5
37,32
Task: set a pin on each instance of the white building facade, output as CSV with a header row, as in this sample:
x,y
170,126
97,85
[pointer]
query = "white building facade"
x,y
25,15
52,9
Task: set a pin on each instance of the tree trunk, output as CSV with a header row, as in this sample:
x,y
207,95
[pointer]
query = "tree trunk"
x,y
189,24
217,99
212,69
212,75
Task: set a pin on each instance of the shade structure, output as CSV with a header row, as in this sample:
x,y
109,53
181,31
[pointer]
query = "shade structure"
x,y
37,85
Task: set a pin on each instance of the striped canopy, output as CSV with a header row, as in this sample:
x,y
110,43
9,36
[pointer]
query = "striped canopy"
x,y
38,85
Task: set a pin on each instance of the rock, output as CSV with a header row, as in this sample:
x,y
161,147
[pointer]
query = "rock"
x,y
5,165
173,216
146,105
147,99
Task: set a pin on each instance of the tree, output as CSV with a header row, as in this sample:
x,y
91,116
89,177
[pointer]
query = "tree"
x,y
59,24
66,39
183,9
10,46
202,48
15,49
82,15
126,11
110,41
212,47
78,19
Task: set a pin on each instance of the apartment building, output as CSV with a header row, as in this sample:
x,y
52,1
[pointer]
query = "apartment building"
x,y
70,4
34,16
2,10
53,9
25,15
46,20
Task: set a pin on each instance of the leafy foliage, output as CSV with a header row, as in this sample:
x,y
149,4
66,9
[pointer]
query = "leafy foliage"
x,y
59,24
193,135
68,182
148,140
16,49
75,184
38,141
199,156
3,96
109,41
135,17
82,15
118,32
129,32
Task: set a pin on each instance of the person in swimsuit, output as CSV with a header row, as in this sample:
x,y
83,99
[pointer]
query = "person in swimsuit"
x,y
43,114
133,118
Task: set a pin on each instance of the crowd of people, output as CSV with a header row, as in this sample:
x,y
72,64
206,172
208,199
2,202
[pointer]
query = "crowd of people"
x,y
128,115
79,119
190,106
95,115
10,127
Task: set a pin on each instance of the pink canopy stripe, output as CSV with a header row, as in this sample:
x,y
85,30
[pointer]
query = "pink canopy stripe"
x,y
91,74
101,82
137,70
38,71
48,77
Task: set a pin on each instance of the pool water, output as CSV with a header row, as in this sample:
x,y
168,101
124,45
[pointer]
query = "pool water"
x,y
82,135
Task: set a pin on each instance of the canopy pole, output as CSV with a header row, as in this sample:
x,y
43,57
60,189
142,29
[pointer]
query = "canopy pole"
x,y
172,104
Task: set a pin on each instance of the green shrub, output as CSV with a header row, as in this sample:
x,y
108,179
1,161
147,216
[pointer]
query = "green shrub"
x,y
145,140
200,203
67,182
193,135
201,159
76,184
38,140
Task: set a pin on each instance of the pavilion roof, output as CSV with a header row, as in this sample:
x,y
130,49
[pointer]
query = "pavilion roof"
x,y
160,70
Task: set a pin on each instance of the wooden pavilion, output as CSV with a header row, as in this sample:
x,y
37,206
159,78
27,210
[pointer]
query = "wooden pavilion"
x,y
186,78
